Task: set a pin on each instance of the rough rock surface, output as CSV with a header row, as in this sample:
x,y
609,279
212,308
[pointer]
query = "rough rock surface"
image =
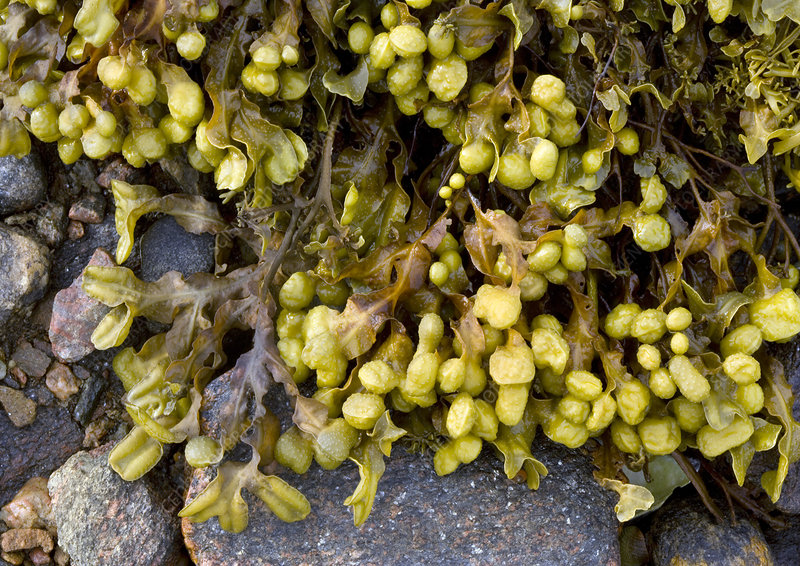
x,y
20,409
166,246
473,516
22,183
37,449
104,520
684,532
24,271
76,315
73,256
33,361
785,543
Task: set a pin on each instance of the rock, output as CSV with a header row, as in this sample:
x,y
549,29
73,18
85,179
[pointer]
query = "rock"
x,y
20,409
51,223
24,270
473,516
785,543
14,558
75,230
90,397
168,247
62,382
37,449
30,508
32,361
104,520
39,557
76,315
26,539
22,183
89,210
71,258
119,170
684,532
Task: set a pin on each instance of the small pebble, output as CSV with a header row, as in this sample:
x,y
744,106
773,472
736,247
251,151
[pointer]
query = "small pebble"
x,y
61,381
20,409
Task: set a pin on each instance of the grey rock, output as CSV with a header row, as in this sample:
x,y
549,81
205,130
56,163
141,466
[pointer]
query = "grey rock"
x,y
31,360
37,449
166,246
785,543
684,532
73,256
22,183
104,520
473,516
90,397
24,272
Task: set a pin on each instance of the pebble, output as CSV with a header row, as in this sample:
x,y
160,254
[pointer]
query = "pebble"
x,y
75,230
89,398
51,223
32,361
24,271
26,539
61,381
89,210
30,508
76,315
22,183
103,520
20,409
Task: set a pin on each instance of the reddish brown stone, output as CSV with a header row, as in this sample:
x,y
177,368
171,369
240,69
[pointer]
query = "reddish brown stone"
x,y
76,315
118,169
39,557
26,539
89,209
18,375
75,230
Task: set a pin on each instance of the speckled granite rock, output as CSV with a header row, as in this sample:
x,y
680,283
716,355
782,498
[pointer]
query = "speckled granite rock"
x,y
24,271
22,183
104,520
76,315
683,532
473,516
35,450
